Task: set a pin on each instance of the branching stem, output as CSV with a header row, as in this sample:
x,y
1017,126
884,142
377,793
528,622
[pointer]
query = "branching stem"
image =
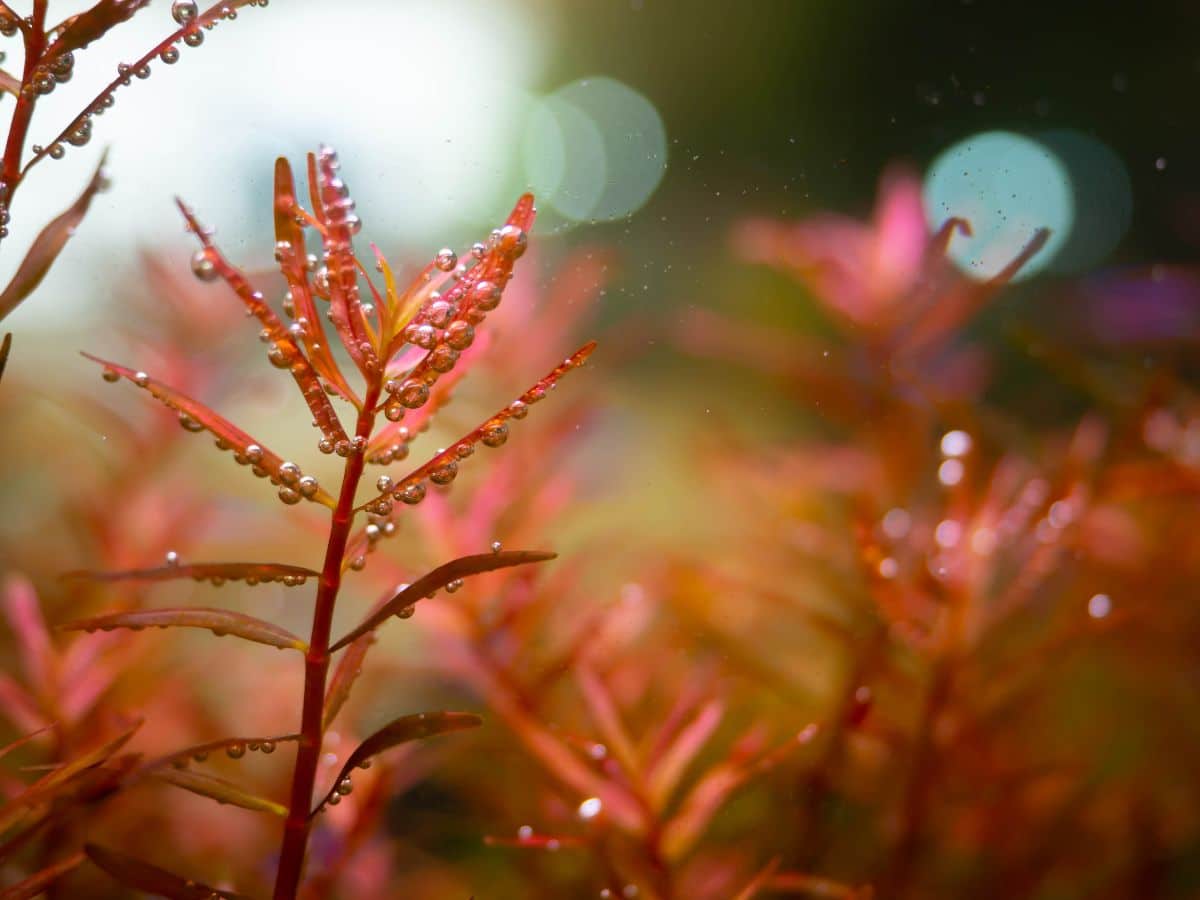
x,y
316,666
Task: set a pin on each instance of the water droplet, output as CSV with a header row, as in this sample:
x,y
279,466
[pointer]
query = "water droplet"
x,y
236,751
203,266
183,11
494,434
446,259
590,808
110,375
194,38
170,55
344,787
512,241
288,495
445,473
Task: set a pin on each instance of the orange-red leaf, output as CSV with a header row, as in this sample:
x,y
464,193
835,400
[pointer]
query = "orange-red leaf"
x,y
759,882
496,425
219,621
401,731
46,787
290,251
285,352
252,573
348,669
220,790
439,578
198,752
49,243
345,307
269,463
22,741
143,876
36,884
82,29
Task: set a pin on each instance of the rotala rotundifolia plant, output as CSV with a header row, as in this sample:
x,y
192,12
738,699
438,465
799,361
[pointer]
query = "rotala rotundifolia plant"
x,y
400,342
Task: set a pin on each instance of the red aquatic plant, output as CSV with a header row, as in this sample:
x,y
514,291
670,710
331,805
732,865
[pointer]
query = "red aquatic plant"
x,y
402,343
49,60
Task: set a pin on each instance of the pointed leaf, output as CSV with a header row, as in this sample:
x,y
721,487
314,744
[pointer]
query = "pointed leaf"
x,y
24,614
549,842
198,752
22,741
82,29
46,787
439,578
492,432
37,883
290,251
286,353
469,303
345,306
759,882
143,876
669,768
251,573
49,243
220,790
269,463
348,669
816,886
401,731
219,621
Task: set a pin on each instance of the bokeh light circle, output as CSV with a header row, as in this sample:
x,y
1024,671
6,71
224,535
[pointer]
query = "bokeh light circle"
x,y
596,149
1103,195
1007,186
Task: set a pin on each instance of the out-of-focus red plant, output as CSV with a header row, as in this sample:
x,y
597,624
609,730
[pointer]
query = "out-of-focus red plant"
x,y
961,560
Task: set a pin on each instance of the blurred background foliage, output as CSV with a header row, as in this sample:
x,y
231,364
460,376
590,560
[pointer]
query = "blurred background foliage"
x,y
727,507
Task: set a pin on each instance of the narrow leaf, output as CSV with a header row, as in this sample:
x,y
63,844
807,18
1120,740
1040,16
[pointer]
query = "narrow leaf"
x,y
219,621
143,876
251,573
235,746
348,669
49,243
492,432
5,347
262,459
401,731
290,251
439,578
470,303
37,883
345,306
22,741
49,785
82,29
549,842
759,882
220,790
285,352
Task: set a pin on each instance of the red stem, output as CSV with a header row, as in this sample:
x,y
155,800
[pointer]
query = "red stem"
x,y
316,667
35,44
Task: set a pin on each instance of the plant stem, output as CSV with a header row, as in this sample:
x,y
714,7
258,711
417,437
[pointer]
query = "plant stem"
x,y
35,43
316,667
